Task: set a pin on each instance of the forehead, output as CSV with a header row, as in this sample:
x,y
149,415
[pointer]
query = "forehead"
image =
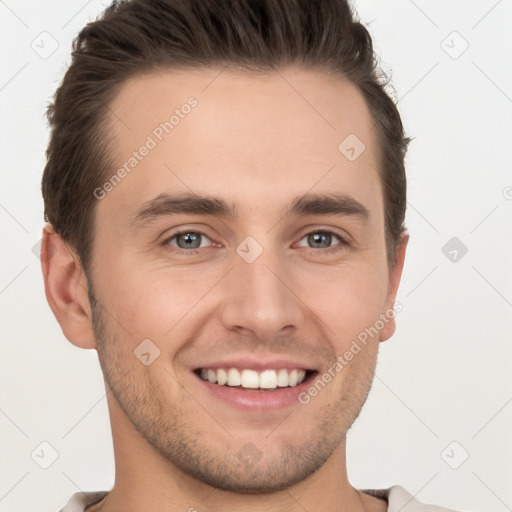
x,y
241,136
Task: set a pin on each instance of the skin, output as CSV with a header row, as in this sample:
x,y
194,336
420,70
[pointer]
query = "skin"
x,y
175,447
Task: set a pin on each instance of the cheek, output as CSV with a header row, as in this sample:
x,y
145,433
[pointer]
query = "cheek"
x,y
154,303
159,302
347,300
131,302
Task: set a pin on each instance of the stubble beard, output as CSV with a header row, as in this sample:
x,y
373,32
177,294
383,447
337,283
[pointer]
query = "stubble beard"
x,y
169,429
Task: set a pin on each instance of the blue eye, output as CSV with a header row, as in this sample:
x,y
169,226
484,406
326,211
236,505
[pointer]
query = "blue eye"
x,y
324,236
189,242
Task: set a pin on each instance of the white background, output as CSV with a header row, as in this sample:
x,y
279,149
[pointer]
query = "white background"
x,y
443,377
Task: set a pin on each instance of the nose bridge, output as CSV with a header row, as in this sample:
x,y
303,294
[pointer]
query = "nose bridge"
x,y
259,297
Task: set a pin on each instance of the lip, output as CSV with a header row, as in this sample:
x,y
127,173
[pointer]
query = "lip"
x,y
257,364
252,400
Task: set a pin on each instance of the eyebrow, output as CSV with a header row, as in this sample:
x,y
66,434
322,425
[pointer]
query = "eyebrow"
x,y
165,205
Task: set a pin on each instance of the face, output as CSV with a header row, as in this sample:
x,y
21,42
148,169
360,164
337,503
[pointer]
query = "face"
x,y
264,277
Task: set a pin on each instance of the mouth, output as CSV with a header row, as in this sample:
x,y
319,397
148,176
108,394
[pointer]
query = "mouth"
x,y
254,385
252,380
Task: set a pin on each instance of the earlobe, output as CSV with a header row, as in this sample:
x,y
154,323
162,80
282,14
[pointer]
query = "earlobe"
x,y
395,275
66,288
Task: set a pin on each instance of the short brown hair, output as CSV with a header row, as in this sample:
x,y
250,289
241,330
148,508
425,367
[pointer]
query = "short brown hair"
x,y
138,36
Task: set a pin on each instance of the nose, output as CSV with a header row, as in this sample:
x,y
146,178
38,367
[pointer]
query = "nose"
x,y
260,300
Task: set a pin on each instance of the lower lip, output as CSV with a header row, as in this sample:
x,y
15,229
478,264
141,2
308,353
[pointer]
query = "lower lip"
x,y
254,400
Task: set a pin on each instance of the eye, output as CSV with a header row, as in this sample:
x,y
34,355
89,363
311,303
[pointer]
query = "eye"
x,y
186,241
189,242
322,239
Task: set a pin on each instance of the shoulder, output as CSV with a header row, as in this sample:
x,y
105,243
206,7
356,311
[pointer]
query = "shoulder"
x,y
80,500
400,500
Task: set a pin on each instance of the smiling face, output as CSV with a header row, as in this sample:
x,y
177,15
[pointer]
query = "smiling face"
x,y
245,248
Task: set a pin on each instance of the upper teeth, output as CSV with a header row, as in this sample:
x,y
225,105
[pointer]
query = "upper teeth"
x,y
267,379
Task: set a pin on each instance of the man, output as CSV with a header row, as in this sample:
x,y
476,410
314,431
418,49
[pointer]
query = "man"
x,y
225,198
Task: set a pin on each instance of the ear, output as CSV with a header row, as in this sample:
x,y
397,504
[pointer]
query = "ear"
x,y
66,287
395,275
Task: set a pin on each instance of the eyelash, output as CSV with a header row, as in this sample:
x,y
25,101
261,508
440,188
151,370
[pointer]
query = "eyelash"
x,y
330,250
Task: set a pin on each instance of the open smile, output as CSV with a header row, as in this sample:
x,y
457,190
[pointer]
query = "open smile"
x,y
269,379
252,390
